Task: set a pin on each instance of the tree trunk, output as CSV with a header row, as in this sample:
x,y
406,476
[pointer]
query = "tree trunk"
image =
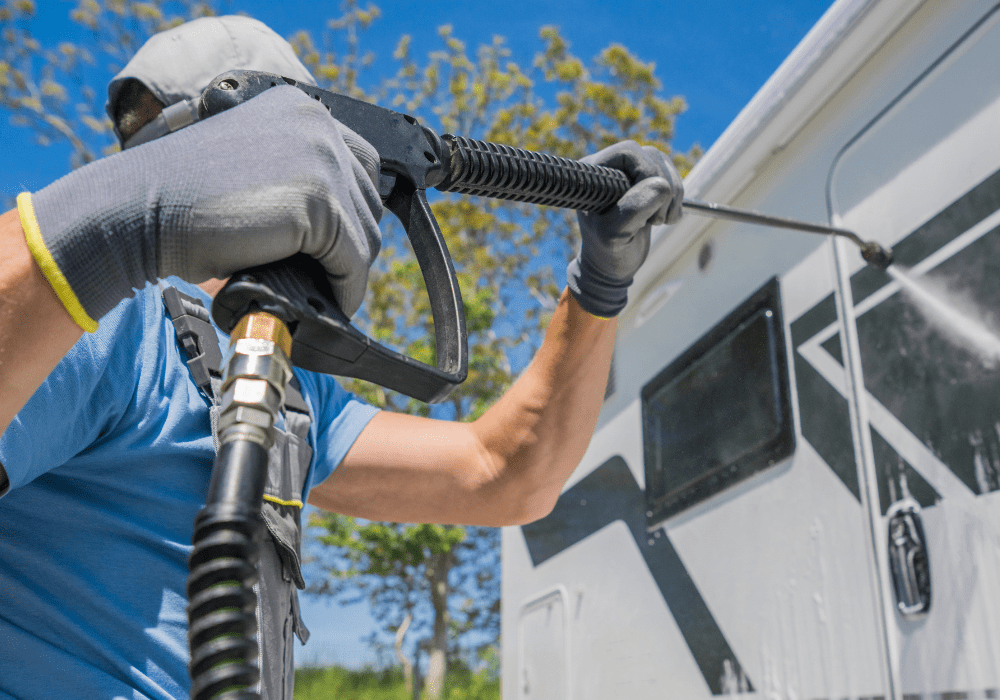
x,y
407,664
436,664
417,680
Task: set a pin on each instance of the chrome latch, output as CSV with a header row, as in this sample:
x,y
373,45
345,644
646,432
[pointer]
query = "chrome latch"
x,y
908,560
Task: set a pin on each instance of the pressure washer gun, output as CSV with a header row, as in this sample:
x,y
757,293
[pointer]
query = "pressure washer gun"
x,y
284,314
414,158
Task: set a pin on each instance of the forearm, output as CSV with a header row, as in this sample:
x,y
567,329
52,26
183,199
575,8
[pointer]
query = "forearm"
x,y
539,430
35,329
505,468
510,465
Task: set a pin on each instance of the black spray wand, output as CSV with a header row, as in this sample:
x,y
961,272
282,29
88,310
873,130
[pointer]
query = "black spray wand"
x,y
495,170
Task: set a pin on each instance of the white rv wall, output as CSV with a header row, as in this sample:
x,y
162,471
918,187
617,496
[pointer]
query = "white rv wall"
x,y
782,560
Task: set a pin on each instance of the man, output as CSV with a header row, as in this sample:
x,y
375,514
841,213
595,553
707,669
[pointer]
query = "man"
x,y
107,444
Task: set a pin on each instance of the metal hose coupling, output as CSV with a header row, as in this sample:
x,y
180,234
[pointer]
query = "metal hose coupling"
x,y
222,620
253,387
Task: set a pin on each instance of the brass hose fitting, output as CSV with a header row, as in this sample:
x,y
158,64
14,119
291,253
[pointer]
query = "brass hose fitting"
x,y
253,387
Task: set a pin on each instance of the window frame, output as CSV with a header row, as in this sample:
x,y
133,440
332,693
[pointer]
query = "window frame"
x,y
719,479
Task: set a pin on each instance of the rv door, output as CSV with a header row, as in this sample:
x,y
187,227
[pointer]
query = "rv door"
x,y
924,176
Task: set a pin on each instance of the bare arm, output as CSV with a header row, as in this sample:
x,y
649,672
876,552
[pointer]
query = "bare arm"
x,y
509,466
506,468
35,329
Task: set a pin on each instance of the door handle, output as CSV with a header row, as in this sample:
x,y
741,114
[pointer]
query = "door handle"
x,y
908,559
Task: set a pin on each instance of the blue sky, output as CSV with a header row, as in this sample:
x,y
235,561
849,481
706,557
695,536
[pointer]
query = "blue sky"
x,y
716,53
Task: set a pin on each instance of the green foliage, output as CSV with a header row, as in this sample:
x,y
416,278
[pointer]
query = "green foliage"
x,y
335,683
462,683
339,68
434,573
500,248
382,550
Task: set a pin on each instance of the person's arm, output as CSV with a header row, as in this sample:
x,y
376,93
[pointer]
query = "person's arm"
x,y
36,331
505,468
509,466
182,205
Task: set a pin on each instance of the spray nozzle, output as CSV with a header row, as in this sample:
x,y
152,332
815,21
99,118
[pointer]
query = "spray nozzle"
x,y
879,257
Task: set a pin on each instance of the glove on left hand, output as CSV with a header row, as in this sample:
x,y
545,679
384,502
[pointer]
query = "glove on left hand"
x,y
614,244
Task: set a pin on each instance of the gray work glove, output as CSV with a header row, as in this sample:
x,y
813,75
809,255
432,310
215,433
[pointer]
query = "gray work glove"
x,y
614,244
258,183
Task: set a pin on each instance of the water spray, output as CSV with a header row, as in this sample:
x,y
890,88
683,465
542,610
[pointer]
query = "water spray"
x,y
879,257
947,316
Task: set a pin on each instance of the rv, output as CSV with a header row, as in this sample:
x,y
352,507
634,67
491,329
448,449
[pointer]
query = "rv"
x,y
794,487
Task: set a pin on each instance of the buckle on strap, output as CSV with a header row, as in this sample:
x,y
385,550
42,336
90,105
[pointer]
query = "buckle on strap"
x,y
196,334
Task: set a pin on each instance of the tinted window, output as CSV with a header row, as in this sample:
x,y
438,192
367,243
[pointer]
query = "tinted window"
x,y
720,412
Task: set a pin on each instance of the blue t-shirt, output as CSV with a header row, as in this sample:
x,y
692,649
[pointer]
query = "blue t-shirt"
x,y
109,463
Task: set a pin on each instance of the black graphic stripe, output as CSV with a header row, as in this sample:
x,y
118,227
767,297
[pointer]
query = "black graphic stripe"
x,y
610,493
825,416
826,423
952,221
832,346
893,472
814,320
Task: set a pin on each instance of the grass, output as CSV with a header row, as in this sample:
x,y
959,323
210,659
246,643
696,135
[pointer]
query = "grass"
x,y
335,683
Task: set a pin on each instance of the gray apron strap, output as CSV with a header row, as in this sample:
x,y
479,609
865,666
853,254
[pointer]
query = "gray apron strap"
x,y
196,335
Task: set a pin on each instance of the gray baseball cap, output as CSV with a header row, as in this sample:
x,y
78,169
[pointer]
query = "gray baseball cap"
x,y
177,64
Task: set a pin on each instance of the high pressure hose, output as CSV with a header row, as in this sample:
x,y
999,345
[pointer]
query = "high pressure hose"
x,y
222,620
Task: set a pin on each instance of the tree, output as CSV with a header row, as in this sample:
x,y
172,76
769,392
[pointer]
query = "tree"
x,y
443,581
436,580
508,295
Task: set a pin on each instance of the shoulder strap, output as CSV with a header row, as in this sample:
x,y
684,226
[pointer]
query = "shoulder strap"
x,y
196,335
294,400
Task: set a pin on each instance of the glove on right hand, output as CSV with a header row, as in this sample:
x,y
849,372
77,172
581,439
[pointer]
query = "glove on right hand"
x,y
614,244
255,184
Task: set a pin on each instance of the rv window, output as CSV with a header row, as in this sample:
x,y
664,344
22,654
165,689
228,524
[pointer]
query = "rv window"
x,y
720,412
